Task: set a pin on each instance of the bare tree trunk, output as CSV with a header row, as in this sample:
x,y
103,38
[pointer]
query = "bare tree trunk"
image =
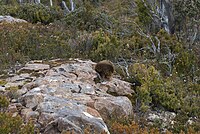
x,y
37,1
51,3
65,7
72,5
67,10
20,2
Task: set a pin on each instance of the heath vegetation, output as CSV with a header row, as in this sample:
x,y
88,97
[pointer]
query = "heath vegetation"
x,y
166,65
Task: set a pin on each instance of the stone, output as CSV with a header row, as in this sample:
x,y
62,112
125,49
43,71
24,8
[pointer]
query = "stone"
x,y
31,100
68,115
28,114
66,98
14,100
14,84
113,107
12,108
35,67
9,19
2,89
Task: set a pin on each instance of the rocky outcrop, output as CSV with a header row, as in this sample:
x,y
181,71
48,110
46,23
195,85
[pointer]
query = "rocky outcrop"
x,y
10,19
65,97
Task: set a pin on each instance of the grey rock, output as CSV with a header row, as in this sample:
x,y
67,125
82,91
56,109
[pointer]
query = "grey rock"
x,y
14,100
9,19
14,84
68,114
12,108
31,100
2,89
113,107
67,98
28,114
35,67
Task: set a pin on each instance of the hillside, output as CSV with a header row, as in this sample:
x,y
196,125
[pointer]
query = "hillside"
x,y
154,45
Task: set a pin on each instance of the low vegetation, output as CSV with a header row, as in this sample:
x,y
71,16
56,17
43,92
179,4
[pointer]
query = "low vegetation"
x,y
167,66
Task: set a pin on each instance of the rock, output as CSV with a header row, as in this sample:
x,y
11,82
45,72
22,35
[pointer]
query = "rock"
x,y
67,98
12,108
14,100
34,67
18,78
113,107
19,106
14,84
28,114
15,114
31,100
9,19
68,114
2,89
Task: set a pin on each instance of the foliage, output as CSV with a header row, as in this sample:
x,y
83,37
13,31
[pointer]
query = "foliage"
x,y
88,18
33,13
2,82
15,125
168,93
4,102
104,46
143,13
23,41
166,66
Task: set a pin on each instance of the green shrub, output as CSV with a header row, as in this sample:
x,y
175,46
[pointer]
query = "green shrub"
x,y
88,18
39,13
33,12
168,93
2,82
104,47
186,65
8,10
21,42
4,102
14,125
143,13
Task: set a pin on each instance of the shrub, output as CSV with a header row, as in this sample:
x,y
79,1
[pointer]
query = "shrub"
x,y
104,46
39,13
15,125
169,93
21,42
143,13
2,82
4,102
33,12
88,18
